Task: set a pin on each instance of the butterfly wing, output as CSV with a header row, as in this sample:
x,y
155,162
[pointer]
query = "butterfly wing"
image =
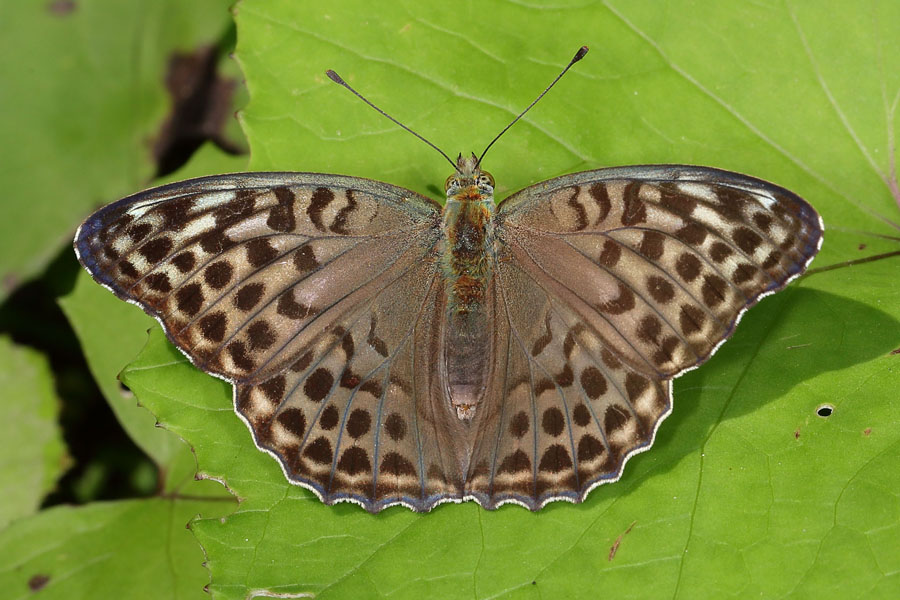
x,y
613,282
314,295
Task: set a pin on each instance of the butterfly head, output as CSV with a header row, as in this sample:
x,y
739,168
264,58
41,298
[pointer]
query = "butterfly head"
x,y
469,182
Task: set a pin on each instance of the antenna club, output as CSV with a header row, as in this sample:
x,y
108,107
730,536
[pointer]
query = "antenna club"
x,y
337,79
578,56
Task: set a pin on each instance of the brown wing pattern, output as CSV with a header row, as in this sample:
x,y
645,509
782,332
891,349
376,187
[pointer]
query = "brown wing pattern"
x,y
357,416
613,283
569,412
664,258
315,295
242,269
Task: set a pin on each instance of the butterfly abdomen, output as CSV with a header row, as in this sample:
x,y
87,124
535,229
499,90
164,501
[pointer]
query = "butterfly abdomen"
x,y
466,264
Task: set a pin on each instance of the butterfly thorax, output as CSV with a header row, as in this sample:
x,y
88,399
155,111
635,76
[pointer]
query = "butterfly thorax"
x,y
468,252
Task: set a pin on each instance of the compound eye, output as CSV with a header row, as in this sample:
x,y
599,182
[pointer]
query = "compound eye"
x,y
449,182
486,179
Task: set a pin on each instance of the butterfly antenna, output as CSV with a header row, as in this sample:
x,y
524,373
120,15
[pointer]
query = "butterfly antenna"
x,y
578,56
340,81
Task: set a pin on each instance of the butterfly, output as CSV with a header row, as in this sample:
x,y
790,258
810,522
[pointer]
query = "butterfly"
x,y
386,349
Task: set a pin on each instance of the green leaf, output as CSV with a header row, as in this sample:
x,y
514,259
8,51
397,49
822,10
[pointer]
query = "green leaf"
x,y
82,100
138,548
34,458
755,453
746,492
128,549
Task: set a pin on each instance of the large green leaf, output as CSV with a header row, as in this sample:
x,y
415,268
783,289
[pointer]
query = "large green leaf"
x,y
747,491
137,548
128,549
82,99
34,458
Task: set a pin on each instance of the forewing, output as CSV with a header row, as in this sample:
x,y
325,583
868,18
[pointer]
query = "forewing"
x,y
661,261
244,270
612,283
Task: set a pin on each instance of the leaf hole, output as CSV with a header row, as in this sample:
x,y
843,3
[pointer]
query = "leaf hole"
x,y
825,410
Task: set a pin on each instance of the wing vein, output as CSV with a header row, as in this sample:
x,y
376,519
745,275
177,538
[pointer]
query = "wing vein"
x,y
603,316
